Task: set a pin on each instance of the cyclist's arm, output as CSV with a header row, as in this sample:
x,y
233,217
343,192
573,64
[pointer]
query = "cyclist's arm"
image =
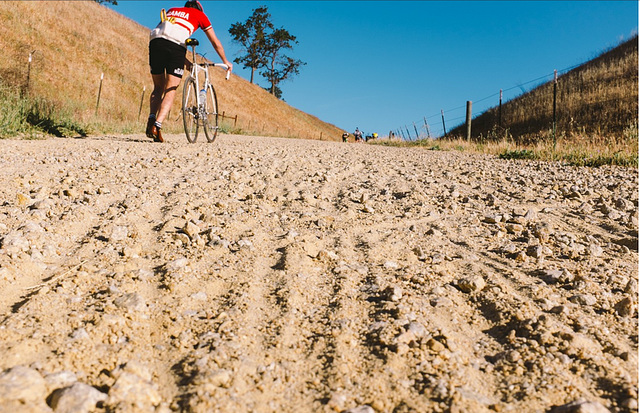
x,y
217,46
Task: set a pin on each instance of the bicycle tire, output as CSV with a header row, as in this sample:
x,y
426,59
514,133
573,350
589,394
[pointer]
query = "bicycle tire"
x,y
190,109
210,117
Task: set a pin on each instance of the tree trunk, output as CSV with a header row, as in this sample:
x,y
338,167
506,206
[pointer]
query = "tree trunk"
x,y
253,70
273,81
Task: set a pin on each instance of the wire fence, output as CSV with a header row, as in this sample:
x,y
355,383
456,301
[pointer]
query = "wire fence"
x,y
437,125
598,99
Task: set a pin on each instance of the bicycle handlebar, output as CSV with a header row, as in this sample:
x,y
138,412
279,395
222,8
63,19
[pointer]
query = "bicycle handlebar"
x,y
225,67
222,65
193,43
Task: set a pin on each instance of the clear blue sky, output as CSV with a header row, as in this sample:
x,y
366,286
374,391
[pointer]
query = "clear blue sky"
x,y
383,65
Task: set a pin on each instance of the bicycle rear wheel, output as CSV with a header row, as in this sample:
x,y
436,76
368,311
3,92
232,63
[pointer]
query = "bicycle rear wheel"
x,y
190,109
210,117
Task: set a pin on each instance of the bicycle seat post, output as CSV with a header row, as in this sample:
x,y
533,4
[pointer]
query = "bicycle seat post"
x,y
193,43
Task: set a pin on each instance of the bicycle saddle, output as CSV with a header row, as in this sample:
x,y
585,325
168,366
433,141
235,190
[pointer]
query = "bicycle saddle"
x,y
192,42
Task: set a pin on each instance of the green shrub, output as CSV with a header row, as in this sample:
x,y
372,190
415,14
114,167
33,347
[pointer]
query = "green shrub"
x,y
44,116
12,113
617,158
26,116
518,154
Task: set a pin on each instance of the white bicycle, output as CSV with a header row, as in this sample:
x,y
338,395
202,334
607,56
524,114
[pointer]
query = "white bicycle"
x,y
200,106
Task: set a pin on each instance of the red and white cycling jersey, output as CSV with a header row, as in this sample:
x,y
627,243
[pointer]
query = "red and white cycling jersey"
x,y
180,24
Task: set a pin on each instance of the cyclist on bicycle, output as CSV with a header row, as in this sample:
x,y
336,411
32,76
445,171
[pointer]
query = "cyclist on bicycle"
x,y
167,55
357,135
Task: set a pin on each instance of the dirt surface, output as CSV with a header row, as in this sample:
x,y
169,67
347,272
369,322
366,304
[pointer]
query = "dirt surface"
x,y
272,275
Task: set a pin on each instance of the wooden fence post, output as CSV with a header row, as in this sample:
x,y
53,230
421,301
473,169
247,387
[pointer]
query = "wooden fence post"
x,y
235,122
99,92
416,129
141,100
26,91
444,128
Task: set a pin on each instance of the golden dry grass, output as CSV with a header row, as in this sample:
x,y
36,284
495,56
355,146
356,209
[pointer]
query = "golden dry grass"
x,y
597,99
70,56
577,150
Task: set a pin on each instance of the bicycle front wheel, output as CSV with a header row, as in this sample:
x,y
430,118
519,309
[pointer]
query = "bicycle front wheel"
x,y
190,113
210,116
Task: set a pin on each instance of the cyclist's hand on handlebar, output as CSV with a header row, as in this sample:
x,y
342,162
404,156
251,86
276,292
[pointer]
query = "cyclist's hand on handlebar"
x,y
227,66
229,69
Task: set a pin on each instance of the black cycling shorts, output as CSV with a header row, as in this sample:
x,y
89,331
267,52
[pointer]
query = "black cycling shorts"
x,y
166,57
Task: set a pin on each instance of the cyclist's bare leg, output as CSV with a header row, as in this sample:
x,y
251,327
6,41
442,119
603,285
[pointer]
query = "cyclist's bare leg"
x,y
156,96
168,85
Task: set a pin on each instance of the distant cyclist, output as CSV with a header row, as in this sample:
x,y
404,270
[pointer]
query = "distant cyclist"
x,y
357,135
345,137
167,53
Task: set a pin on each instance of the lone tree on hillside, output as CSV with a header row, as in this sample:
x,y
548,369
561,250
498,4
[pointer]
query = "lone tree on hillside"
x,y
251,36
263,46
278,66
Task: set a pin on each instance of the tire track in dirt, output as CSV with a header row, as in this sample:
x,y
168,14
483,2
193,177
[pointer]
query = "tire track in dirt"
x,y
265,274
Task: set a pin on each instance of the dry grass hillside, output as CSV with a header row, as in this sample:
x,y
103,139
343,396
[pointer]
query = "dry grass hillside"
x,y
69,57
596,100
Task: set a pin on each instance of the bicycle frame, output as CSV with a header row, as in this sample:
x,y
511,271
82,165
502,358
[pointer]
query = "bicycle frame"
x,y
203,107
196,68
202,67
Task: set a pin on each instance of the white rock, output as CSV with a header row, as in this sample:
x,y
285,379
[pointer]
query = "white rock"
x,y
210,380
392,293
471,284
15,242
132,390
360,409
581,406
191,229
177,264
60,379
584,299
22,383
6,275
119,233
199,296
131,301
80,334
78,398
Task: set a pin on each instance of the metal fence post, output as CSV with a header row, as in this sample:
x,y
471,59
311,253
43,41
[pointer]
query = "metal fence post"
x,y
427,126
500,110
555,91
468,120
444,128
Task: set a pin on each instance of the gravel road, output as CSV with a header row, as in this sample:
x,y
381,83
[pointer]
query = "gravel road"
x,y
273,275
